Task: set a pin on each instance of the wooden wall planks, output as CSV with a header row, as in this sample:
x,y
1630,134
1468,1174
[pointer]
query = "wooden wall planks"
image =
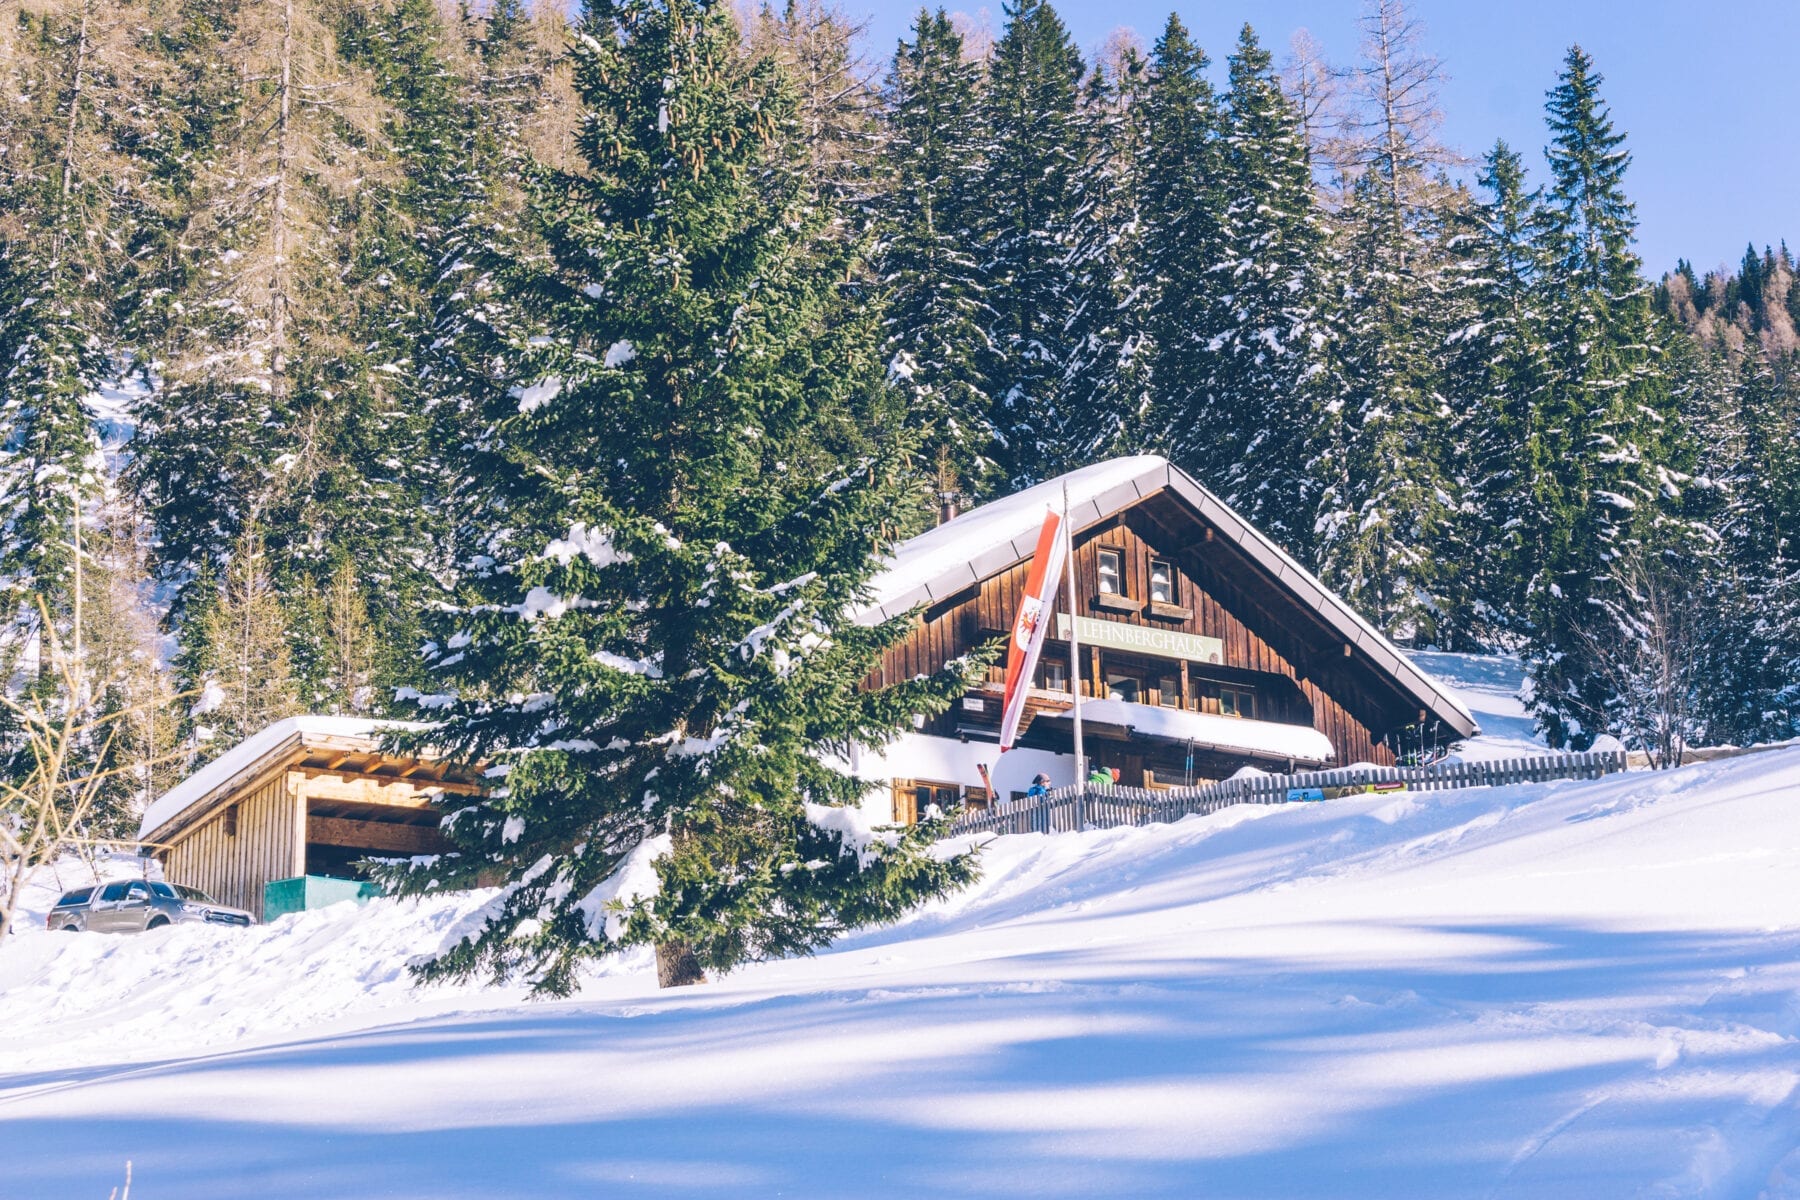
x,y
232,868
1254,639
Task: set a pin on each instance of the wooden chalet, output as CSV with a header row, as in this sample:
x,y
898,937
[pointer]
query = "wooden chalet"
x,y
304,799
1204,649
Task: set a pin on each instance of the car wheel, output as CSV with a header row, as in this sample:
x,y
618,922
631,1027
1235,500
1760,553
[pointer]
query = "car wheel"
x,y
157,922
71,927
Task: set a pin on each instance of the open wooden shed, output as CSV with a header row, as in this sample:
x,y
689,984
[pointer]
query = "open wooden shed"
x,y
306,797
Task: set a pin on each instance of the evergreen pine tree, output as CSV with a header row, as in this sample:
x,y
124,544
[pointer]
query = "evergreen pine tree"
x,y
316,206
261,410
1497,371
1596,496
1746,483
68,125
236,664
132,740
438,189
1379,450
1181,202
1264,296
654,643
1035,127
928,254
1104,391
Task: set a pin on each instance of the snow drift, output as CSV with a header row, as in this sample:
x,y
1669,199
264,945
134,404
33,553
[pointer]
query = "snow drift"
x,y
1561,989
1565,989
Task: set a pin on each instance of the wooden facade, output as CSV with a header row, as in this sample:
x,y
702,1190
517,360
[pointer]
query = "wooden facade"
x,y
1282,656
310,804
242,846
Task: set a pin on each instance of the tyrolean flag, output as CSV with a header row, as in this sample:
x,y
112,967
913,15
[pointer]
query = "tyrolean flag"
x,y
1031,624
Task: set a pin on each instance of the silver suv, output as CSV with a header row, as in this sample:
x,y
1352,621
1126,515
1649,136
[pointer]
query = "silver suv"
x,y
130,906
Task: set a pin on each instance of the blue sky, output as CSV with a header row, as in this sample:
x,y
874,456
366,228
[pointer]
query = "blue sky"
x,y
1707,92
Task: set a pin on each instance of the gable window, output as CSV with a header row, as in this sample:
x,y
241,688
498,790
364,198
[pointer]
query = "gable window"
x,y
1112,572
1162,582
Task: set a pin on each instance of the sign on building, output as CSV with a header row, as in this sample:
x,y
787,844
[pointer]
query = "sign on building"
x,y
1142,639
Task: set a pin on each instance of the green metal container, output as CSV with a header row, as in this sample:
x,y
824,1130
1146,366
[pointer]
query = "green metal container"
x,y
284,896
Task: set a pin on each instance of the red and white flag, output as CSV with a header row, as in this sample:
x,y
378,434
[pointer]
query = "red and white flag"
x,y
1032,623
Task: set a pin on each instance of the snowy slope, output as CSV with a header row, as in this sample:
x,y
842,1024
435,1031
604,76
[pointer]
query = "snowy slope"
x,y
1493,687
1572,989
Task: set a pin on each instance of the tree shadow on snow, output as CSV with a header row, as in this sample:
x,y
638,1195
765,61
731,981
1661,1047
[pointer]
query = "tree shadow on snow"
x,y
1536,1059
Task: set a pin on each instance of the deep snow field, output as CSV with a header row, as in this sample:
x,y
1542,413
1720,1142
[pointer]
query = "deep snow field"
x,y
1557,990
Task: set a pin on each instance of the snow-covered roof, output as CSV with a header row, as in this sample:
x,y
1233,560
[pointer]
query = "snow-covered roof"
x,y
256,753
945,560
985,541
1233,735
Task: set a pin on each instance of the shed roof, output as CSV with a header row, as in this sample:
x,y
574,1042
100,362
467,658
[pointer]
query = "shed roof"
x,y
985,541
261,752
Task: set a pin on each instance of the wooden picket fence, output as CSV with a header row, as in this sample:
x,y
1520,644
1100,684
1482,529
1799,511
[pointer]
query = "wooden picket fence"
x,y
1069,808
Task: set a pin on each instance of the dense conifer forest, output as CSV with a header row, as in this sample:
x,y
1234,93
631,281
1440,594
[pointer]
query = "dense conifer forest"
x,y
334,329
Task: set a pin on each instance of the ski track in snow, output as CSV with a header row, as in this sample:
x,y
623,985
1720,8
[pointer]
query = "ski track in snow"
x,y
1490,687
1554,990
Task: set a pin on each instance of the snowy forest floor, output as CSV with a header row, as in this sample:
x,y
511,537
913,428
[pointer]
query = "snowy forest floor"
x,y
1553,990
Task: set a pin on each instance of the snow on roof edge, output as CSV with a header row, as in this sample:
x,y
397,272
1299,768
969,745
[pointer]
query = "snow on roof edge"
x,y
215,774
1400,665
922,561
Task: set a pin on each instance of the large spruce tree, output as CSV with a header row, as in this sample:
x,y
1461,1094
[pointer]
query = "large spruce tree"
x,y
1264,323
1035,129
1180,205
1497,371
929,254
72,72
653,653
1378,451
1598,486
1105,388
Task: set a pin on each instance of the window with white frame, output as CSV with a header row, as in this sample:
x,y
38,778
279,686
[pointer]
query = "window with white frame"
x,y
1162,581
1112,572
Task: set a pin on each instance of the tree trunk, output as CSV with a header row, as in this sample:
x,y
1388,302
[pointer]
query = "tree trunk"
x,y
676,965
284,166
73,123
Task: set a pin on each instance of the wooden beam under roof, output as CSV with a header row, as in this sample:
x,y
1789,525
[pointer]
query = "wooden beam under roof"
x,y
392,785
375,836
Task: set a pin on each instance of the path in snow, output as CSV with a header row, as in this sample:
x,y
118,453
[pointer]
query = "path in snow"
x,y
1492,687
1558,990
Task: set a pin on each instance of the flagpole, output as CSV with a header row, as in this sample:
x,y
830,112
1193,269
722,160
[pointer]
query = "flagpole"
x,y
1074,661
